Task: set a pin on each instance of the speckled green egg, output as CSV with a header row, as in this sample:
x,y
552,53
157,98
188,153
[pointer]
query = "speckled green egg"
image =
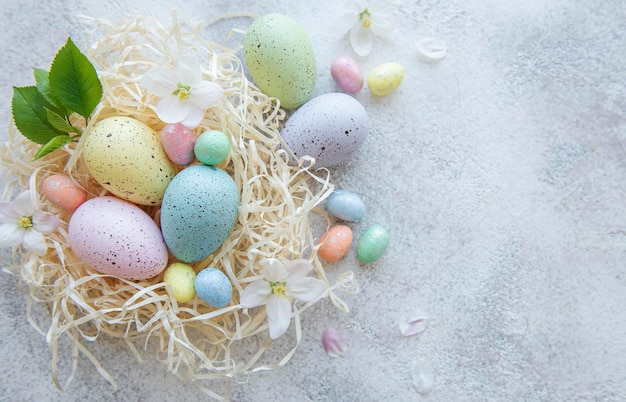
x,y
125,156
280,59
199,210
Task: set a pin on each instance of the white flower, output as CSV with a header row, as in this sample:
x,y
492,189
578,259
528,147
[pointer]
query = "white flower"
x,y
279,285
185,96
20,224
366,19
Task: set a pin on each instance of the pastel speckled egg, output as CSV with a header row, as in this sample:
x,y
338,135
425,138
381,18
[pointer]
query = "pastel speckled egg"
x,y
330,128
280,59
63,192
347,74
335,243
199,210
181,277
125,156
385,78
372,243
117,238
213,287
212,147
178,142
345,205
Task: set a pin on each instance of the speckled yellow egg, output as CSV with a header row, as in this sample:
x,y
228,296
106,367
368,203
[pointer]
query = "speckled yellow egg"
x,y
181,277
280,59
125,156
385,78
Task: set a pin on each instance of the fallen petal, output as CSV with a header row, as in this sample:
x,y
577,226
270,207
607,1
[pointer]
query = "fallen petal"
x,y
422,376
413,324
431,50
332,341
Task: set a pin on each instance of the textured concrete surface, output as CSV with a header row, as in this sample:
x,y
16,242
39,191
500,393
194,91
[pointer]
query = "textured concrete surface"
x,y
500,173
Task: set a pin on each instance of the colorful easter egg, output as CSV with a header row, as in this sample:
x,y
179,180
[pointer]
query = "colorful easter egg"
x,y
117,238
213,287
63,192
372,243
335,243
347,74
345,205
178,142
385,78
181,277
330,128
212,147
280,59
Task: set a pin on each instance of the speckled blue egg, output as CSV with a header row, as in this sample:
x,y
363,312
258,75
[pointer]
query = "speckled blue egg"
x,y
330,128
345,205
213,287
199,210
280,59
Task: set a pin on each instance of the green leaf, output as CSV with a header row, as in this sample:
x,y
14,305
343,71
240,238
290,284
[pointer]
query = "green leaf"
x,y
52,145
74,81
29,113
43,86
58,122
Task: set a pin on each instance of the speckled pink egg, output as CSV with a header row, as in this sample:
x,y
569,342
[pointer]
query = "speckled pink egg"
x,y
347,74
117,238
63,192
178,143
335,243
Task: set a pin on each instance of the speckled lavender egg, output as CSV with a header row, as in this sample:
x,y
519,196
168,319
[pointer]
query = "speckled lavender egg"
x,y
330,128
125,156
117,238
199,210
280,59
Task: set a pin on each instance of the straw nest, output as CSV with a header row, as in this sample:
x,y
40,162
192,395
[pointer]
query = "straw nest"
x,y
196,342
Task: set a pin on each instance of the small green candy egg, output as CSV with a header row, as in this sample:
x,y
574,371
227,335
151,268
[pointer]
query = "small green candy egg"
x,y
212,147
372,243
181,278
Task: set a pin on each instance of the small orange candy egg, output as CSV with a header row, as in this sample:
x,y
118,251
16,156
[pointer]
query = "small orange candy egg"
x,y
62,192
335,243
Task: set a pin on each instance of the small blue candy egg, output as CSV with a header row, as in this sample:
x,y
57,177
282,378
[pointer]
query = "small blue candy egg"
x,y
345,205
213,287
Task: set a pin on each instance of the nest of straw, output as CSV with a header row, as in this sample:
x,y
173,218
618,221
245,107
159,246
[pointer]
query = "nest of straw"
x,y
277,200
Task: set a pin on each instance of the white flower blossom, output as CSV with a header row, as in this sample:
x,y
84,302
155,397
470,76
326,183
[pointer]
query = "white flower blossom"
x,y
20,224
184,94
366,19
281,283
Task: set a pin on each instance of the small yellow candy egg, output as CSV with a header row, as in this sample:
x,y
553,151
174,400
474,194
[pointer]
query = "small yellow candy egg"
x,y
181,278
385,78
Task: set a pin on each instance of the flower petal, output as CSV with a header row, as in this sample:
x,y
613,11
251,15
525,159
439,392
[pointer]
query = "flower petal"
x,y
255,294
413,324
8,214
332,341
205,94
297,268
305,289
44,222
361,40
34,242
188,70
194,117
382,28
278,315
23,205
171,110
11,234
160,81
274,270
344,22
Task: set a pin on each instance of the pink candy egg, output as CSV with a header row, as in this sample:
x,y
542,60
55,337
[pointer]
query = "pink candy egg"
x,y
117,238
347,74
335,243
178,142
63,192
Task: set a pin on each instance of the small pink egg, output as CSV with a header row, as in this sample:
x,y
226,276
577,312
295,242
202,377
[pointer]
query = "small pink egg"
x,y
335,243
63,192
178,142
347,74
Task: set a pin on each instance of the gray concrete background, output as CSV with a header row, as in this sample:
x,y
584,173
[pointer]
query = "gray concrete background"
x,y
500,173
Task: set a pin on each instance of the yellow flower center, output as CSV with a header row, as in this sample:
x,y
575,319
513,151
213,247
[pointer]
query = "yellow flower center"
x,y
182,91
279,288
364,17
25,222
